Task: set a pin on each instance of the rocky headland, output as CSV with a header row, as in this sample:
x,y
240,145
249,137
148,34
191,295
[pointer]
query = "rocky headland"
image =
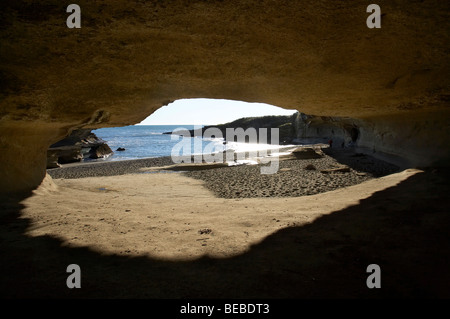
x,y
80,144
284,124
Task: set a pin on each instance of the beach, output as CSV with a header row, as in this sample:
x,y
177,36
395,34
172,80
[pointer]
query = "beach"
x,y
146,230
293,177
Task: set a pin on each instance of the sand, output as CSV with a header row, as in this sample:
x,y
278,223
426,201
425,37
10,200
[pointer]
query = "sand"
x,y
169,234
292,178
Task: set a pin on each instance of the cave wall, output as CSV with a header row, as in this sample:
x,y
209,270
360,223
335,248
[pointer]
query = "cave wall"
x,y
418,140
131,57
23,156
312,129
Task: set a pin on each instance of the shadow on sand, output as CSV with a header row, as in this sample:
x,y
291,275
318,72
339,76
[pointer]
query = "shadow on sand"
x,y
404,229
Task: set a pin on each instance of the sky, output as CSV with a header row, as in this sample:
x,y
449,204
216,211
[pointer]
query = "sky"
x,y
209,112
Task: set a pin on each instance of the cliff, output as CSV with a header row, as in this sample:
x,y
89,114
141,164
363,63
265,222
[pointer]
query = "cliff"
x,y
417,140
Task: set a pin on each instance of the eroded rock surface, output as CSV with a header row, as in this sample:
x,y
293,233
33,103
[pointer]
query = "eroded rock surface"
x,y
131,57
78,145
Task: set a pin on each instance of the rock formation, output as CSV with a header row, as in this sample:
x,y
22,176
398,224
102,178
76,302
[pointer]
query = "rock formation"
x,y
284,123
131,57
418,139
100,151
78,145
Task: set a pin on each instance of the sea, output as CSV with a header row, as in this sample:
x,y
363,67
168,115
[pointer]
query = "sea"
x,y
148,141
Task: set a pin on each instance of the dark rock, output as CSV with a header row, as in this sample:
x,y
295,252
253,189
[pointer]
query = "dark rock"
x,y
75,147
120,149
204,231
65,154
100,151
82,137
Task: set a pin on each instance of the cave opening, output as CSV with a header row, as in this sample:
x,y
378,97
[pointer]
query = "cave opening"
x,y
151,138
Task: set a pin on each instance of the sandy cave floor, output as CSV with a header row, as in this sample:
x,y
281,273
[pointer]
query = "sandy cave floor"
x,y
219,212
171,216
165,235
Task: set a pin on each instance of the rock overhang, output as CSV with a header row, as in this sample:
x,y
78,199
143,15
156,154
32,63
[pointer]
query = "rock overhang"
x,y
131,57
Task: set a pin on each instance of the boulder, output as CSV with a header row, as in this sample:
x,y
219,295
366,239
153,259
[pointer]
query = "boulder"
x,y
75,147
66,154
100,151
